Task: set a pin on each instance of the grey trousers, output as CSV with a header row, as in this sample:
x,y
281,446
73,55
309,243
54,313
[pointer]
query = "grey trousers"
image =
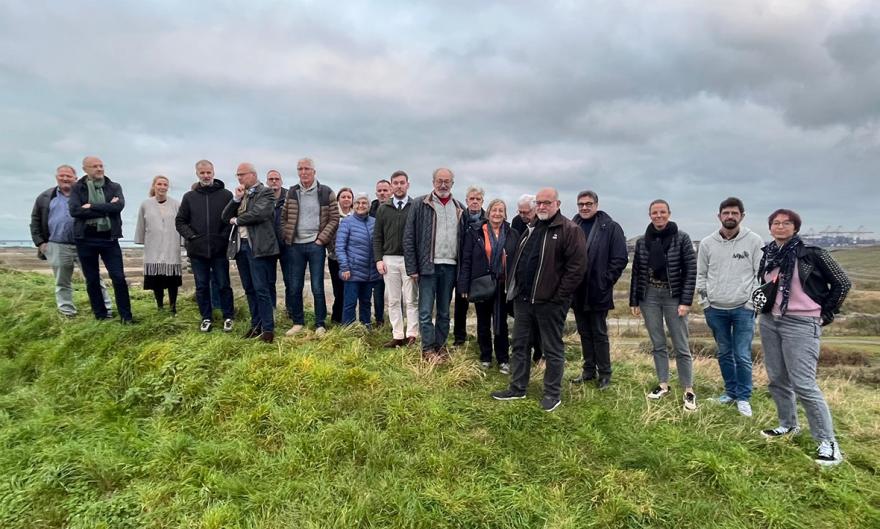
x,y
791,354
657,306
62,257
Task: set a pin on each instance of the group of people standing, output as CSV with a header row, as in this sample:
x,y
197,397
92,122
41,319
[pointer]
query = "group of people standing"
x,y
418,254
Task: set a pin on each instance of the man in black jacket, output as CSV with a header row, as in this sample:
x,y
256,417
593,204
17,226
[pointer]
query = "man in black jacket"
x,y
206,237
96,203
606,260
383,192
548,266
251,212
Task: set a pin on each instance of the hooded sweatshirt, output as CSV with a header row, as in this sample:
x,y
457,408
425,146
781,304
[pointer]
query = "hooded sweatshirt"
x,y
727,269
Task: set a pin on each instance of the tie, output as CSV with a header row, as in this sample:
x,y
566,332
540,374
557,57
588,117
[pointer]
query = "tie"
x,y
400,204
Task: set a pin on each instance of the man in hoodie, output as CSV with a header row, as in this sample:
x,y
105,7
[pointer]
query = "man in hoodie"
x,y
96,204
251,213
206,237
606,259
547,268
727,268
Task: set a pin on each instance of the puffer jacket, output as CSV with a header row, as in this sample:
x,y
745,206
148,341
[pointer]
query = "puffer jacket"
x,y
562,265
606,260
418,235
822,279
329,213
681,270
198,220
79,195
258,218
354,248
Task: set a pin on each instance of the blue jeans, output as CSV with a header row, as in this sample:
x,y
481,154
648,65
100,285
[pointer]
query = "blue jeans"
x,y
213,272
89,251
733,330
357,293
436,287
313,255
255,274
284,258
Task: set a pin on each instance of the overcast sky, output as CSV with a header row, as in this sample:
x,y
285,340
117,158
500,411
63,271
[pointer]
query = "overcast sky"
x,y
776,102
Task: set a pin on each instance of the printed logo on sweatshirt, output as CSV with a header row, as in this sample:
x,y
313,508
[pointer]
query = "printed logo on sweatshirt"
x,y
743,255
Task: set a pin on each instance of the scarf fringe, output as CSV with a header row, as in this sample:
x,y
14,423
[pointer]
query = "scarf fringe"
x,y
162,269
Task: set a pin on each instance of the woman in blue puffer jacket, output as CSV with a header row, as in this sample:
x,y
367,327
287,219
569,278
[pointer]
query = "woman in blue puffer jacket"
x,y
357,267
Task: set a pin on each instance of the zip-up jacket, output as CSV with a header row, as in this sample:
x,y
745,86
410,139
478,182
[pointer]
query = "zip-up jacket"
x,y
821,278
474,262
40,218
681,270
727,270
606,260
419,233
329,215
258,218
79,195
198,220
354,248
561,266
388,233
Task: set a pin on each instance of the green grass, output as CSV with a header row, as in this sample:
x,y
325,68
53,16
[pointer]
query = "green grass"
x,y
159,426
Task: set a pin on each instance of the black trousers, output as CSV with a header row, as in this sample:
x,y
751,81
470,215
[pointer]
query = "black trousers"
x,y
485,310
338,291
550,318
459,318
592,326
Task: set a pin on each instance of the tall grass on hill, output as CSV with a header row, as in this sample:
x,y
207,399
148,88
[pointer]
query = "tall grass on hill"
x,y
157,425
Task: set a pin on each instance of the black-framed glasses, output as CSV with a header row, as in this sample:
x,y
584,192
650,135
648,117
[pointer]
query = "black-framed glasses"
x,y
586,204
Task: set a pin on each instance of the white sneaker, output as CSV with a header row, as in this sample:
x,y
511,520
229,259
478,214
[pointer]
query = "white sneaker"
x,y
504,369
293,330
485,365
658,392
227,325
320,331
205,326
828,454
690,401
744,408
724,399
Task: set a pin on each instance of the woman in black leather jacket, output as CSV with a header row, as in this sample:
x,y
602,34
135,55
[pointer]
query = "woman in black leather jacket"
x,y
809,289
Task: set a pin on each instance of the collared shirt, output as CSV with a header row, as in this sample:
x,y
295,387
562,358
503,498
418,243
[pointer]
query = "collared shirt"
x,y
60,221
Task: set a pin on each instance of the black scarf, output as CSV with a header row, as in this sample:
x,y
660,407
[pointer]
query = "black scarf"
x,y
658,243
784,259
497,246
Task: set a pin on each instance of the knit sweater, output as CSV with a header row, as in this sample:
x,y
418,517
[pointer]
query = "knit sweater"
x,y
156,231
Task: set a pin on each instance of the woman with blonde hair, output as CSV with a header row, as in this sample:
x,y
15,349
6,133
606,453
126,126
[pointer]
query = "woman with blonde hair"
x,y
157,232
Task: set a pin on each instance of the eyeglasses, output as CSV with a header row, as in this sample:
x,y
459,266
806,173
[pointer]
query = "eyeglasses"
x,y
244,174
586,204
545,203
305,168
784,223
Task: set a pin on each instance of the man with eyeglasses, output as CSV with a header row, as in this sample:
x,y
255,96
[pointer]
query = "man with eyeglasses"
x,y
606,259
548,266
431,240
251,212
308,222
727,271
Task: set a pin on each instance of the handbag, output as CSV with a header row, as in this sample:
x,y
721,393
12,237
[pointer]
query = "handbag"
x,y
764,296
482,288
232,246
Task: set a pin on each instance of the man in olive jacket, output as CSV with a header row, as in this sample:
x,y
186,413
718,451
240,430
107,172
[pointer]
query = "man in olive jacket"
x,y
206,236
251,212
549,265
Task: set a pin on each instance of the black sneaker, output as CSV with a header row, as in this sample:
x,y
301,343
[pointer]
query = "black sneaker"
x,y
508,394
780,431
550,403
582,378
603,383
828,454
658,393
206,326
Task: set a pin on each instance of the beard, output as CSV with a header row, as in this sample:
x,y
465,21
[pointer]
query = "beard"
x,y
730,224
442,194
544,216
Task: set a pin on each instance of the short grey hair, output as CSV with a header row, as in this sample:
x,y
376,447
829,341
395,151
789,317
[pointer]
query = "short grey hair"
x,y
307,160
437,171
204,162
65,166
588,193
475,189
526,199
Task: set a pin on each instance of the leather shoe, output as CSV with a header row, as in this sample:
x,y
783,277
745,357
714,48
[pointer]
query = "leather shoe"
x,y
253,332
603,383
581,379
267,337
396,342
410,340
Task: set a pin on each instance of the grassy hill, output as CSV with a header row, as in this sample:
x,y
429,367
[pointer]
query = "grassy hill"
x,y
156,425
